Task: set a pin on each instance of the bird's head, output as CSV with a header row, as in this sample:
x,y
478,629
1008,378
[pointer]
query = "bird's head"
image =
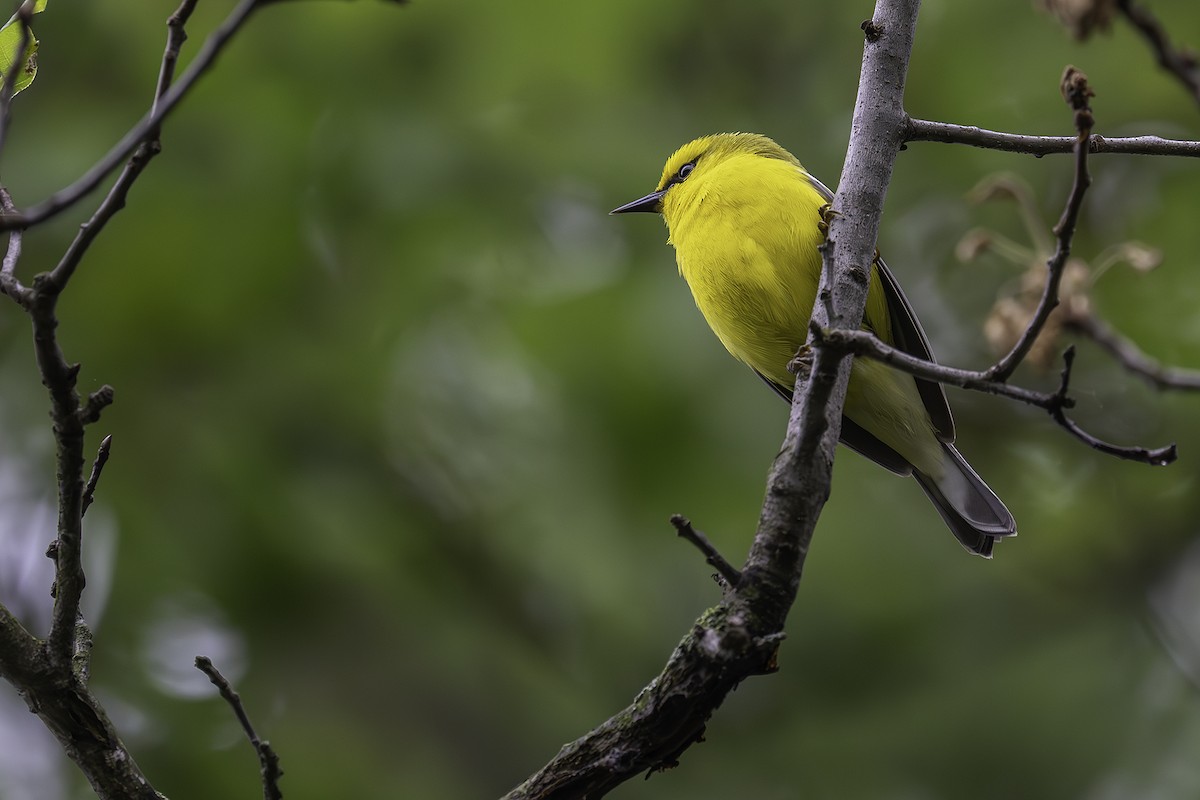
x,y
689,169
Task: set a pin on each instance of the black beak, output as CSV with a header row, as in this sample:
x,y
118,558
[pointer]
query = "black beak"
x,y
651,203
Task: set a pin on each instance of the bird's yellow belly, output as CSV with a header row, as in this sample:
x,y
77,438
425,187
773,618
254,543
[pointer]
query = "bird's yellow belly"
x,y
761,315
758,311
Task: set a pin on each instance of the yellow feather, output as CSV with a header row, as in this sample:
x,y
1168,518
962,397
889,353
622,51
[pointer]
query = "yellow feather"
x,y
745,229
744,216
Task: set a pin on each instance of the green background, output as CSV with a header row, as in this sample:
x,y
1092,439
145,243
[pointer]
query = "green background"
x,y
401,413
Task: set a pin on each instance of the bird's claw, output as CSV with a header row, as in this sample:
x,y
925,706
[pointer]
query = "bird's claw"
x,y
827,213
801,366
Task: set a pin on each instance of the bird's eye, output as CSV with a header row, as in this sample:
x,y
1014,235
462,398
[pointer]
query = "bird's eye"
x,y
686,170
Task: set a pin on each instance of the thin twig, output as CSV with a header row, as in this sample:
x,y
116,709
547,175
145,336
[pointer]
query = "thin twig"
x,y
1159,457
1077,93
683,527
89,492
1131,357
67,197
9,284
1178,62
8,90
921,130
149,147
268,760
863,343
1056,403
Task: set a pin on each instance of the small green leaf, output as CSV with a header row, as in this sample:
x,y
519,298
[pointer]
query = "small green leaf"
x,y
10,42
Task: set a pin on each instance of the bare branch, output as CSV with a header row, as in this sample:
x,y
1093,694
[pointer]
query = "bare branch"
x,y
683,526
149,147
268,761
1179,63
1131,357
9,284
863,343
89,492
740,636
920,130
52,675
1077,93
20,650
143,130
62,700
1056,403
1159,457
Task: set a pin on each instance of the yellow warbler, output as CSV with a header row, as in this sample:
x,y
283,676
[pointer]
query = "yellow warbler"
x,y
743,216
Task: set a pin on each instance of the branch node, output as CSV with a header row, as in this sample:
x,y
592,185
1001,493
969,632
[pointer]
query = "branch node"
x,y
1075,89
97,401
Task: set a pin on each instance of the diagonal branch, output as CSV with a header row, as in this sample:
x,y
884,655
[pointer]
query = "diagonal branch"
x,y
729,574
268,760
143,130
1181,64
89,492
149,147
1131,357
739,637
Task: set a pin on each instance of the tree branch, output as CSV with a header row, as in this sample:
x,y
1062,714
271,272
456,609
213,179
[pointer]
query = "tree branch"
x,y
728,572
1158,458
89,492
1056,403
268,761
1131,357
9,284
921,130
145,129
1077,93
739,637
148,148
52,674
1181,64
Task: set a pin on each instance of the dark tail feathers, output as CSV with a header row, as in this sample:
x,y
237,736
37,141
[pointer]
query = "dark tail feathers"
x,y
972,511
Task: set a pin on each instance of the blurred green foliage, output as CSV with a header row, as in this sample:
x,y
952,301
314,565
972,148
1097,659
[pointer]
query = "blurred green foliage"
x,y
401,414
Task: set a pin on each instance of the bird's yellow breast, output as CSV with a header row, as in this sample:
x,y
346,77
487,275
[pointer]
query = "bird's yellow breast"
x,y
746,235
746,239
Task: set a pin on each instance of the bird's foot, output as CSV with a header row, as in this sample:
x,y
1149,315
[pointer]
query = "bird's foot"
x,y
827,214
801,366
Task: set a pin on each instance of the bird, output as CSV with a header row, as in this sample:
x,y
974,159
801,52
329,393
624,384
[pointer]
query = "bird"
x,y
746,221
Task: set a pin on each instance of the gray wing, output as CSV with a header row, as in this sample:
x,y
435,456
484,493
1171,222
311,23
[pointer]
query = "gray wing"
x,y
909,337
